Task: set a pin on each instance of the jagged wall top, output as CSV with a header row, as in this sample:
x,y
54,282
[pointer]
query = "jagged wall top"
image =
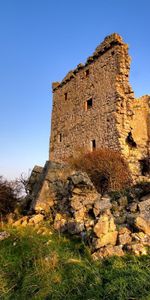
x,y
109,42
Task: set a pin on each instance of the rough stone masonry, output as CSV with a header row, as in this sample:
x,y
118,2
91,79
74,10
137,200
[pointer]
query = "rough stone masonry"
x,y
94,107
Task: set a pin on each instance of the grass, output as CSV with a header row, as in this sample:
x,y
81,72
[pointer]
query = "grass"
x,y
34,266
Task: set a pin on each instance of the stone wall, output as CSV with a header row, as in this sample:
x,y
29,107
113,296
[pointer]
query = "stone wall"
x,y
94,106
140,127
110,224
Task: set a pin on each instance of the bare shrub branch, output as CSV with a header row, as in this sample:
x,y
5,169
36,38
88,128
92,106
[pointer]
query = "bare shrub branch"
x,y
106,168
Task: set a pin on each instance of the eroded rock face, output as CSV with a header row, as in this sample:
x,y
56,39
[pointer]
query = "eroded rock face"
x,y
50,186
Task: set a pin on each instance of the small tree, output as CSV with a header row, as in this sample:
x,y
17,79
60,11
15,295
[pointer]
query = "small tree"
x,y
8,196
12,193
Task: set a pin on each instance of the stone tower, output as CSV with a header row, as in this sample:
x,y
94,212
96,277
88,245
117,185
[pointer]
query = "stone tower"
x,y
94,107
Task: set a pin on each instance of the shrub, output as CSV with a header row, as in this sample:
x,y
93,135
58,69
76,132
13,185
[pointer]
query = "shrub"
x,y
106,168
8,197
11,192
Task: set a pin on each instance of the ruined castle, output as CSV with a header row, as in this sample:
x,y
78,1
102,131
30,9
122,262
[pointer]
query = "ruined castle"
x,y
94,106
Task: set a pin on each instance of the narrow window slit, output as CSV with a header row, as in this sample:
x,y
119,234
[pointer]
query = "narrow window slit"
x,y
66,96
60,138
93,145
87,72
89,104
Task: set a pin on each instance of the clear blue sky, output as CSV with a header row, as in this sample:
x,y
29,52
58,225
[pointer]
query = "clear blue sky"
x,y
40,41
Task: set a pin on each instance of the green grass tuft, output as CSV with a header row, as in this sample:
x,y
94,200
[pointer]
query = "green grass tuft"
x,y
54,267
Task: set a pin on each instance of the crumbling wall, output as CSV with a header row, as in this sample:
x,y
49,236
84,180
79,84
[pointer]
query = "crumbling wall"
x,y
74,125
111,224
94,106
140,126
133,123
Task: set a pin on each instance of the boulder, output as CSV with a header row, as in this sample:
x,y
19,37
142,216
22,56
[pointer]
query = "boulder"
x,y
50,186
79,215
105,224
144,205
21,221
60,222
80,179
75,227
101,205
123,201
143,223
132,207
109,238
141,237
36,219
146,197
45,199
82,191
105,230
138,249
108,251
124,236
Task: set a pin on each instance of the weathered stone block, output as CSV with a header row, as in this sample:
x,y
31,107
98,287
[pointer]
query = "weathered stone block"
x,y
102,226
109,238
143,224
124,236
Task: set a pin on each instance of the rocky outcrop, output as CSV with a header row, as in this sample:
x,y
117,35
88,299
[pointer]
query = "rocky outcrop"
x,y
48,187
111,224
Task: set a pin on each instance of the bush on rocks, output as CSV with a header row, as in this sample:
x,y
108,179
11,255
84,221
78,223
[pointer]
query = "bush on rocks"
x,y
106,168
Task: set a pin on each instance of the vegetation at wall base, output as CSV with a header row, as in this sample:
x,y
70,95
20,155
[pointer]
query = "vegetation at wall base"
x,y
12,194
36,266
106,168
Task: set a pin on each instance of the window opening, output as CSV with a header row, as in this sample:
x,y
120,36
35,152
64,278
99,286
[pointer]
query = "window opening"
x,y
145,166
87,72
130,141
93,145
89,104
66,96
60,138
